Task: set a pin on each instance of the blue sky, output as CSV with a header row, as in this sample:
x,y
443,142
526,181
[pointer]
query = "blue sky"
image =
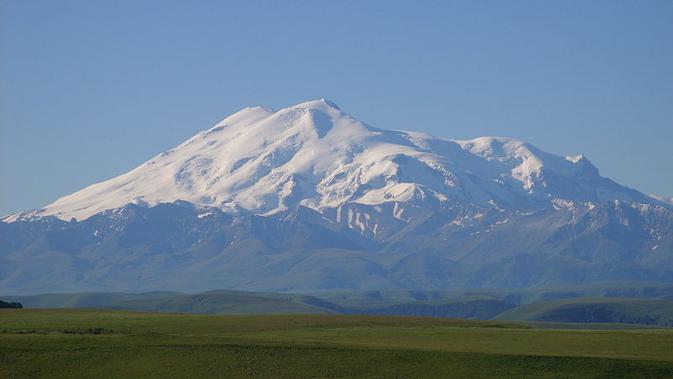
x,y
90,89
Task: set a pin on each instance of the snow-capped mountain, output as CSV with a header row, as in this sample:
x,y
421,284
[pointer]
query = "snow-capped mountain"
x,y
312,154
310,198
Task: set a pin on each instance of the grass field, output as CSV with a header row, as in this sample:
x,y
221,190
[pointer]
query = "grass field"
x,y
92,343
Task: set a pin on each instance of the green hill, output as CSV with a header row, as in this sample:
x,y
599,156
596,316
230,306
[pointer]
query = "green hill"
x,y
595,310
216,302
239,302
362,298
481,305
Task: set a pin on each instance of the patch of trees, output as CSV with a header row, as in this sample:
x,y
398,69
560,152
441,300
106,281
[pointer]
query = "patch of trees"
x,y
10,304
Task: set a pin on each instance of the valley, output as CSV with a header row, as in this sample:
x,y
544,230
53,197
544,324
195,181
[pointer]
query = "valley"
x,y
94,343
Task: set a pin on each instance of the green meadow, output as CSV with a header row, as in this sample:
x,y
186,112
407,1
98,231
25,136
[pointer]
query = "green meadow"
x,y
82,343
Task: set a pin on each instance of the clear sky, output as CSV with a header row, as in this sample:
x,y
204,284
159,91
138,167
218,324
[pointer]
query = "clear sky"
x,y
89,89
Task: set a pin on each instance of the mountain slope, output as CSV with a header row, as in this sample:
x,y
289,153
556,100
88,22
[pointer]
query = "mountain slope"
x,y
308,198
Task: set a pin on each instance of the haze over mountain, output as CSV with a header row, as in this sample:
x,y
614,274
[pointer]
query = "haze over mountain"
x,y
310,198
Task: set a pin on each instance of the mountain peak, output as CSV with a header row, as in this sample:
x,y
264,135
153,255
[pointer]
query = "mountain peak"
x,y
321,103
312,154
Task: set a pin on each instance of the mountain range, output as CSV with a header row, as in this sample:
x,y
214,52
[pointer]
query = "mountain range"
x,y
308,198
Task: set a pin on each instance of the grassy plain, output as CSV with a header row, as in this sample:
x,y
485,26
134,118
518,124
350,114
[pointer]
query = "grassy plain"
x,y
95,343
